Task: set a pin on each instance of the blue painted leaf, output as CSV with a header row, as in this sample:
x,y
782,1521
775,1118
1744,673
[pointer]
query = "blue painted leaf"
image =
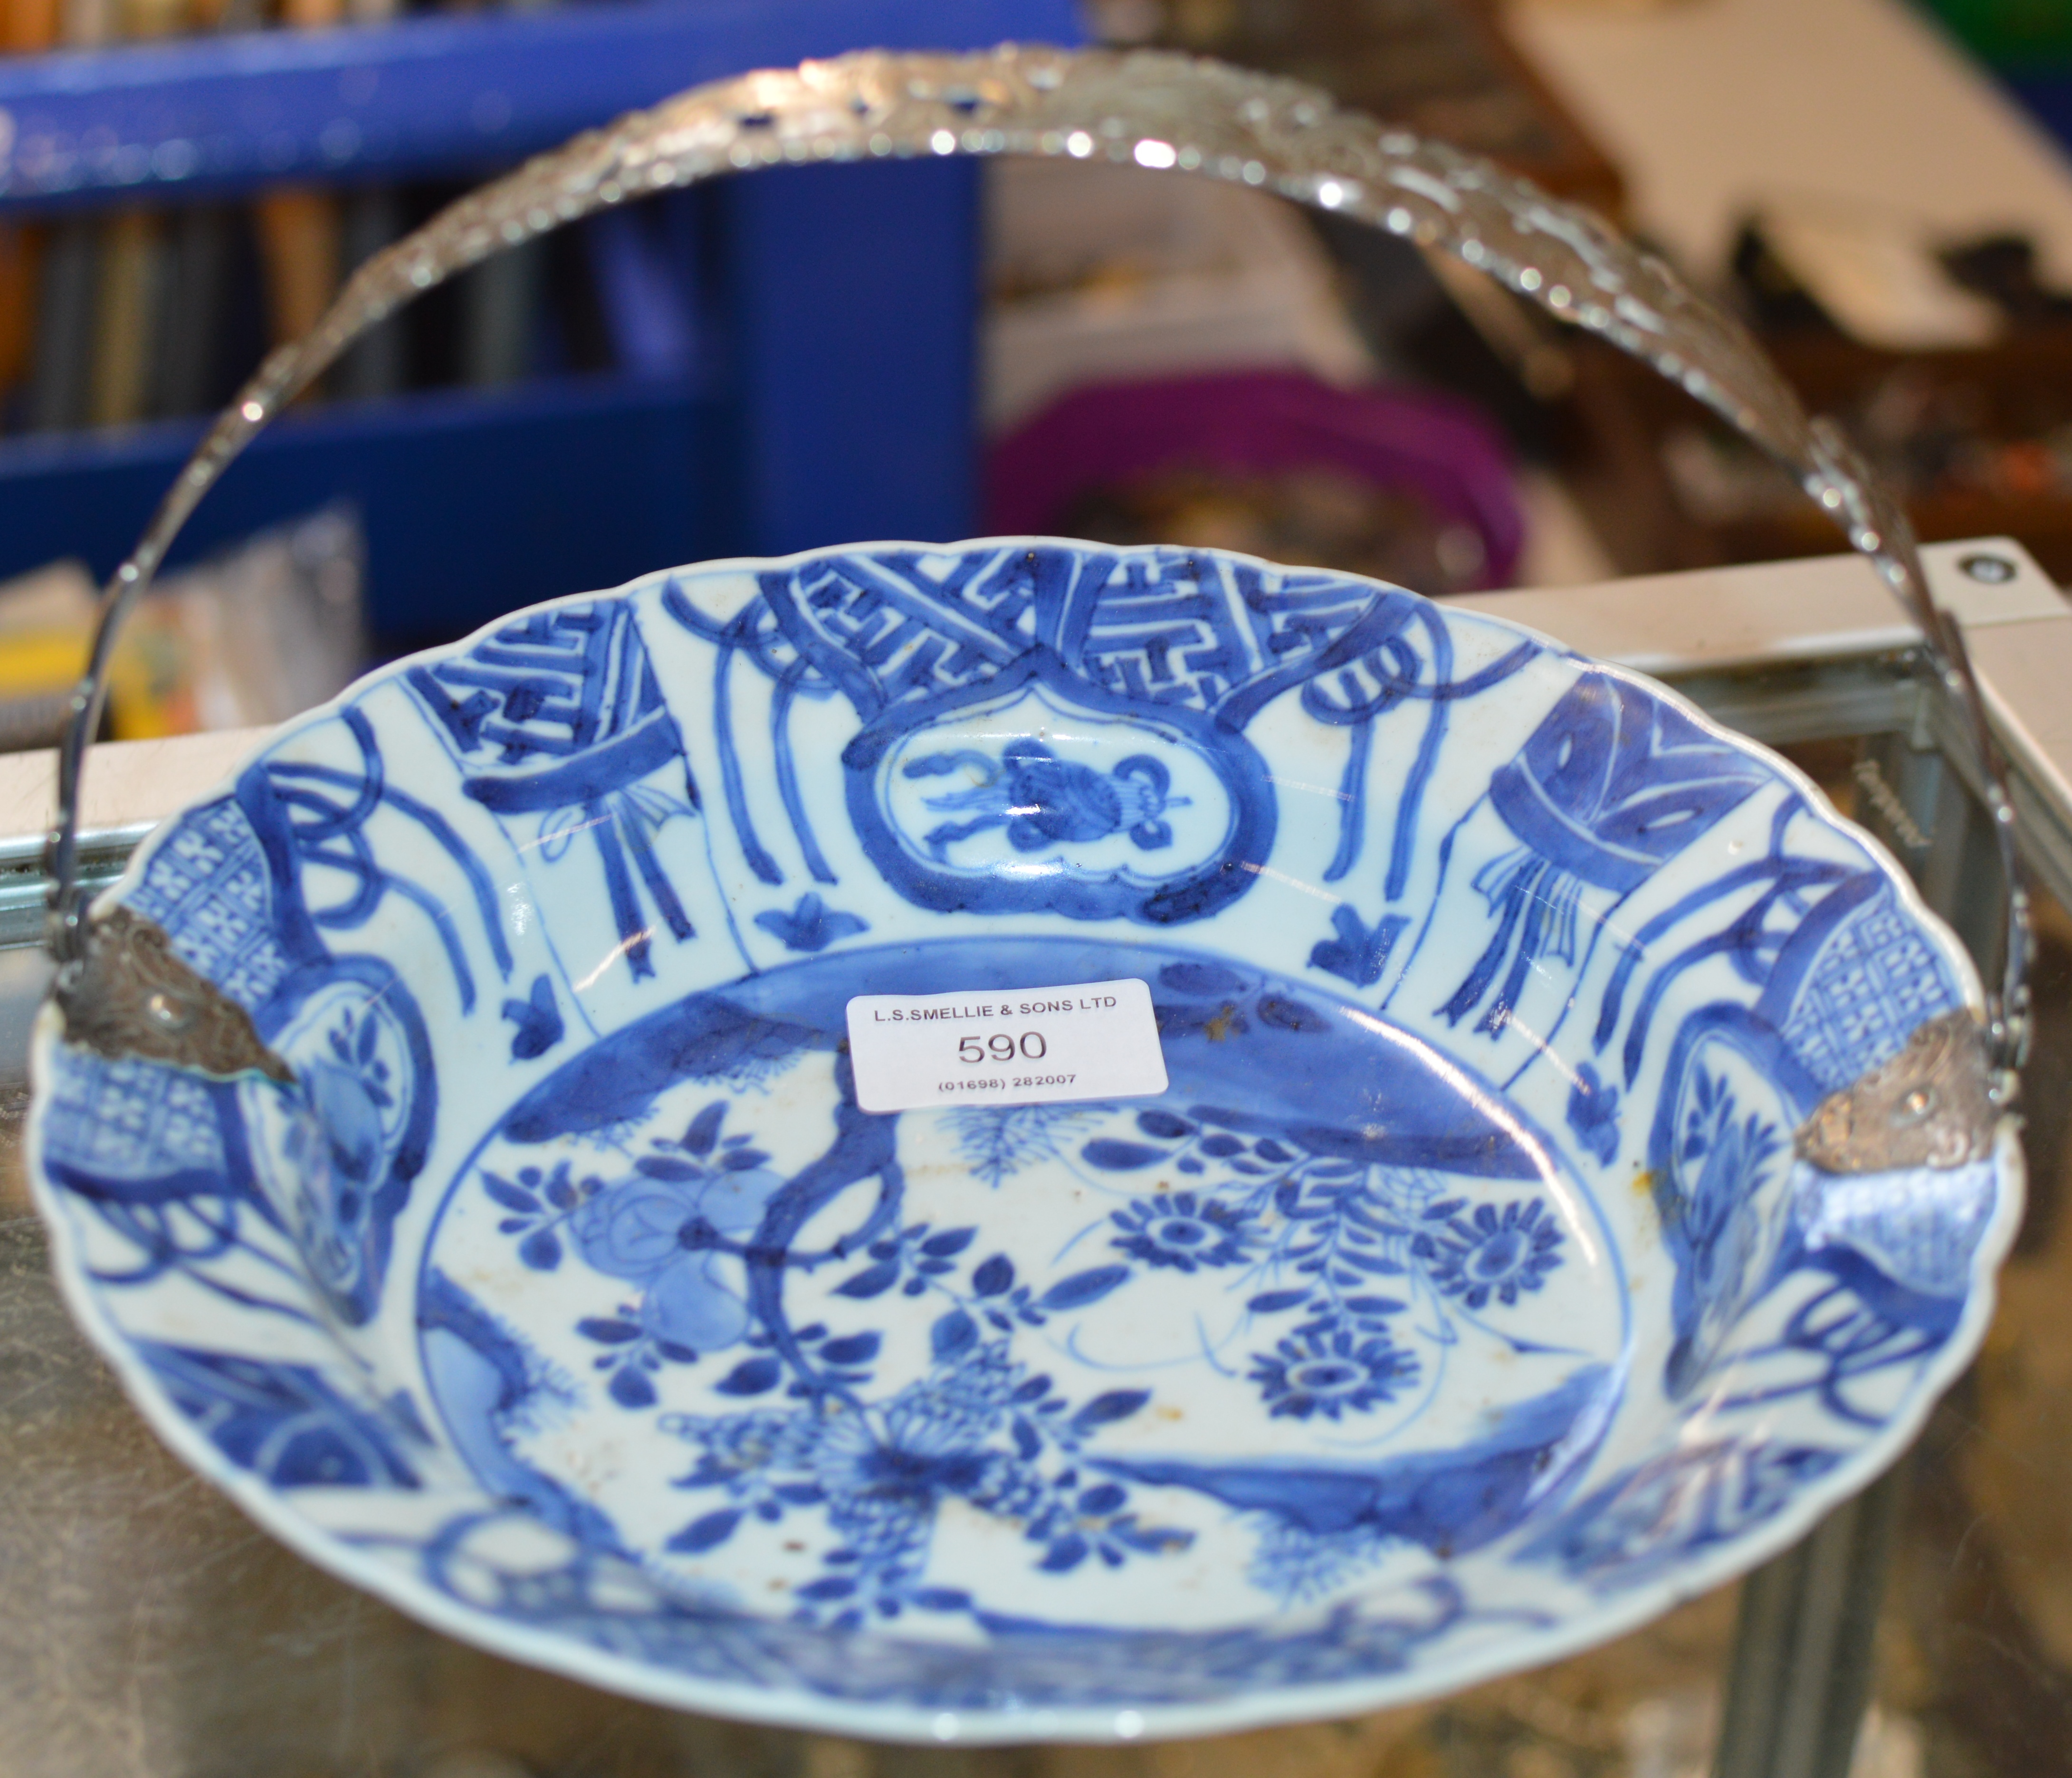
x,y
995,1277
1105,1498
708,1533
741,1160
1357,954
629,1388
511,1197
1273,1302
750,1376
1278,1009
853,1348
1119,1157
942,1598
1222,1146
510,1225
872,1281
675,1353
607,1332
954,1333
1117,1404
542,1251
1164,1125
1026,1440
1030,1390
833,1586
1374,1305
560,1193
1205,979
1083,1288
1066,1555
363,1050
799,1493
705,1128
952,1241
667,1166
1374,1264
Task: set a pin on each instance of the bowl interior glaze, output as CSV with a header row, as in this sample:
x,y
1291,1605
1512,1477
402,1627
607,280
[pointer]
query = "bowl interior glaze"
x,y
1461,1302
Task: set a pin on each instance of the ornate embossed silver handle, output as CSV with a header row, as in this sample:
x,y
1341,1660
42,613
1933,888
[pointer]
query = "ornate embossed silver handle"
x,y
1154,108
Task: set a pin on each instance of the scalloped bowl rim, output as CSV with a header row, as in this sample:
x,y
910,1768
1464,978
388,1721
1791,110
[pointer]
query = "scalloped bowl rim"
x,y
801,1709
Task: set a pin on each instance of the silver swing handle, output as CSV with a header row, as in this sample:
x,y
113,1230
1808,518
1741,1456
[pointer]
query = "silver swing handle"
x,y
1153,109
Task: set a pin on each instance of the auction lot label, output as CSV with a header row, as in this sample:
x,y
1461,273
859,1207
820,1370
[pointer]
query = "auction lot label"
x,y
1024,1046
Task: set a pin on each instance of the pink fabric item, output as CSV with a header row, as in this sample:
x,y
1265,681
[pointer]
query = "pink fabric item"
x,y
1258,422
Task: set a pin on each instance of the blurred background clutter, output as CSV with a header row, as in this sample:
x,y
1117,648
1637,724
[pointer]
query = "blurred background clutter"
x,y
184,184
1881,188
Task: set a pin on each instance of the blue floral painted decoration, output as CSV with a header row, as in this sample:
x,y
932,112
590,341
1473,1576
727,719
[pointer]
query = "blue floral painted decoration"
x,y
1463,1297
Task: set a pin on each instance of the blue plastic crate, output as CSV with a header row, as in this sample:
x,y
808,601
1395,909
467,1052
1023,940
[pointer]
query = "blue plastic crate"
x,y
838,402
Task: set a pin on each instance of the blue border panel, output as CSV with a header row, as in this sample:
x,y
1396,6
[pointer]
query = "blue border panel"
x,y
427,95
473,504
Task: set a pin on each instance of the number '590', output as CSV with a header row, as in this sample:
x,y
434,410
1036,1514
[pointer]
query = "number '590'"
x,y
1000,1047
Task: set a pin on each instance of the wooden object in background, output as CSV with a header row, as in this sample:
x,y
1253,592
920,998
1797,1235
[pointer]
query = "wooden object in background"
x,y
27,27
1444,68
300,240
2015,393
123,343
123,353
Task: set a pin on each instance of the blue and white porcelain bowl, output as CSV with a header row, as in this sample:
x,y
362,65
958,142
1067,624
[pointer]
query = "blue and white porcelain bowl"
x,y
1460,1303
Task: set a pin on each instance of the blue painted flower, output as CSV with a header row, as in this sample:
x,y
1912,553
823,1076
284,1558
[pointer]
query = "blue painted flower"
x,y
1332,1371
1593,1109
811,925
884,1472
1494,1252
659,1229
1183,1231
883,1482
1359,954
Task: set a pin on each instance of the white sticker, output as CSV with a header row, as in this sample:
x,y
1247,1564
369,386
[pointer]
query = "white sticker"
x,y
1024,1046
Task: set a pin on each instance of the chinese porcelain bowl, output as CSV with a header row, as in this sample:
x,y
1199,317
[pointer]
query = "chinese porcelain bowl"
x,y
1462,1301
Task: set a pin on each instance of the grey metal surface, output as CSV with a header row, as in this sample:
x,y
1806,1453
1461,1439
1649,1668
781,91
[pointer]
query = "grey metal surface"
x,y
1802,1668
1802,1649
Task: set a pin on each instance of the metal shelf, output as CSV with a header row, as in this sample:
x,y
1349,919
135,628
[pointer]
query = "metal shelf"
x,y
822,421
210,115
